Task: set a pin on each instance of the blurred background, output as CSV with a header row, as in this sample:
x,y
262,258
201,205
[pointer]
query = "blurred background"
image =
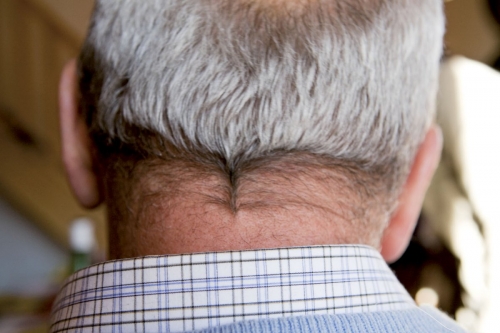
x,y
452,262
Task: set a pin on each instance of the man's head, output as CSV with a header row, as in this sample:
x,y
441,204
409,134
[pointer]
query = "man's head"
x,y
264,114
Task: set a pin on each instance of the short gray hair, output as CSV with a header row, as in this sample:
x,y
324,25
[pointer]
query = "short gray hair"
x,y
238,80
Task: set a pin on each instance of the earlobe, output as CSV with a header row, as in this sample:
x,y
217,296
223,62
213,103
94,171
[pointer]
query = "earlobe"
x,y
76,144
400,229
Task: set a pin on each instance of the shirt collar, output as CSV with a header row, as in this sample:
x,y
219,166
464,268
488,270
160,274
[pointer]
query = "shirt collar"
x,y
175,293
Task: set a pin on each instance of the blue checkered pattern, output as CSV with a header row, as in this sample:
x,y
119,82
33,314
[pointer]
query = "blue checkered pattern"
x,y
194,291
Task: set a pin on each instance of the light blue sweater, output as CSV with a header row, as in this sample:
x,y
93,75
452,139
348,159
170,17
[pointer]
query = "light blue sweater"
x,y
423,319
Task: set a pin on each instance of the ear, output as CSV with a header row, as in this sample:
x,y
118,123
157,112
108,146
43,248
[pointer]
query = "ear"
x,y
76,144
398,234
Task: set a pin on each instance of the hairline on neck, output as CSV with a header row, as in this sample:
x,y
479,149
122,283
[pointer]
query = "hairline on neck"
x,y
294,189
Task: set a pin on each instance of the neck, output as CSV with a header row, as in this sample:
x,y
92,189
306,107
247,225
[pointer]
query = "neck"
x,y
267,210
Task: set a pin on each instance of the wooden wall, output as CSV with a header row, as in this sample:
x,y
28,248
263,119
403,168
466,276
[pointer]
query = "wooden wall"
x,y
472,31
37,37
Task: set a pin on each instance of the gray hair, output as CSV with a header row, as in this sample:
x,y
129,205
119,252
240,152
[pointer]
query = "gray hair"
x,y
239,80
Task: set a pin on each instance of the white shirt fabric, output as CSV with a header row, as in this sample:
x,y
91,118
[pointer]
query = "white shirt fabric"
x,y
185,292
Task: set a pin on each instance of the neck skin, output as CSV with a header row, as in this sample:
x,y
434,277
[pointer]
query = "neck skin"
x,y
270,211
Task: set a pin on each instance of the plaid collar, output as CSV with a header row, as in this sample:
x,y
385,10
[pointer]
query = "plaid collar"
x,y
185,292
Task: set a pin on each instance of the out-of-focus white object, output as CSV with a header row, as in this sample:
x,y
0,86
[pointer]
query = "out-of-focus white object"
x,y
467,318
427,296
82,242
82,235
463,202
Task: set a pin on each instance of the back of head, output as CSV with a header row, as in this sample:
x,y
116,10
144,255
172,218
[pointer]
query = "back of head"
x,y
237,91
